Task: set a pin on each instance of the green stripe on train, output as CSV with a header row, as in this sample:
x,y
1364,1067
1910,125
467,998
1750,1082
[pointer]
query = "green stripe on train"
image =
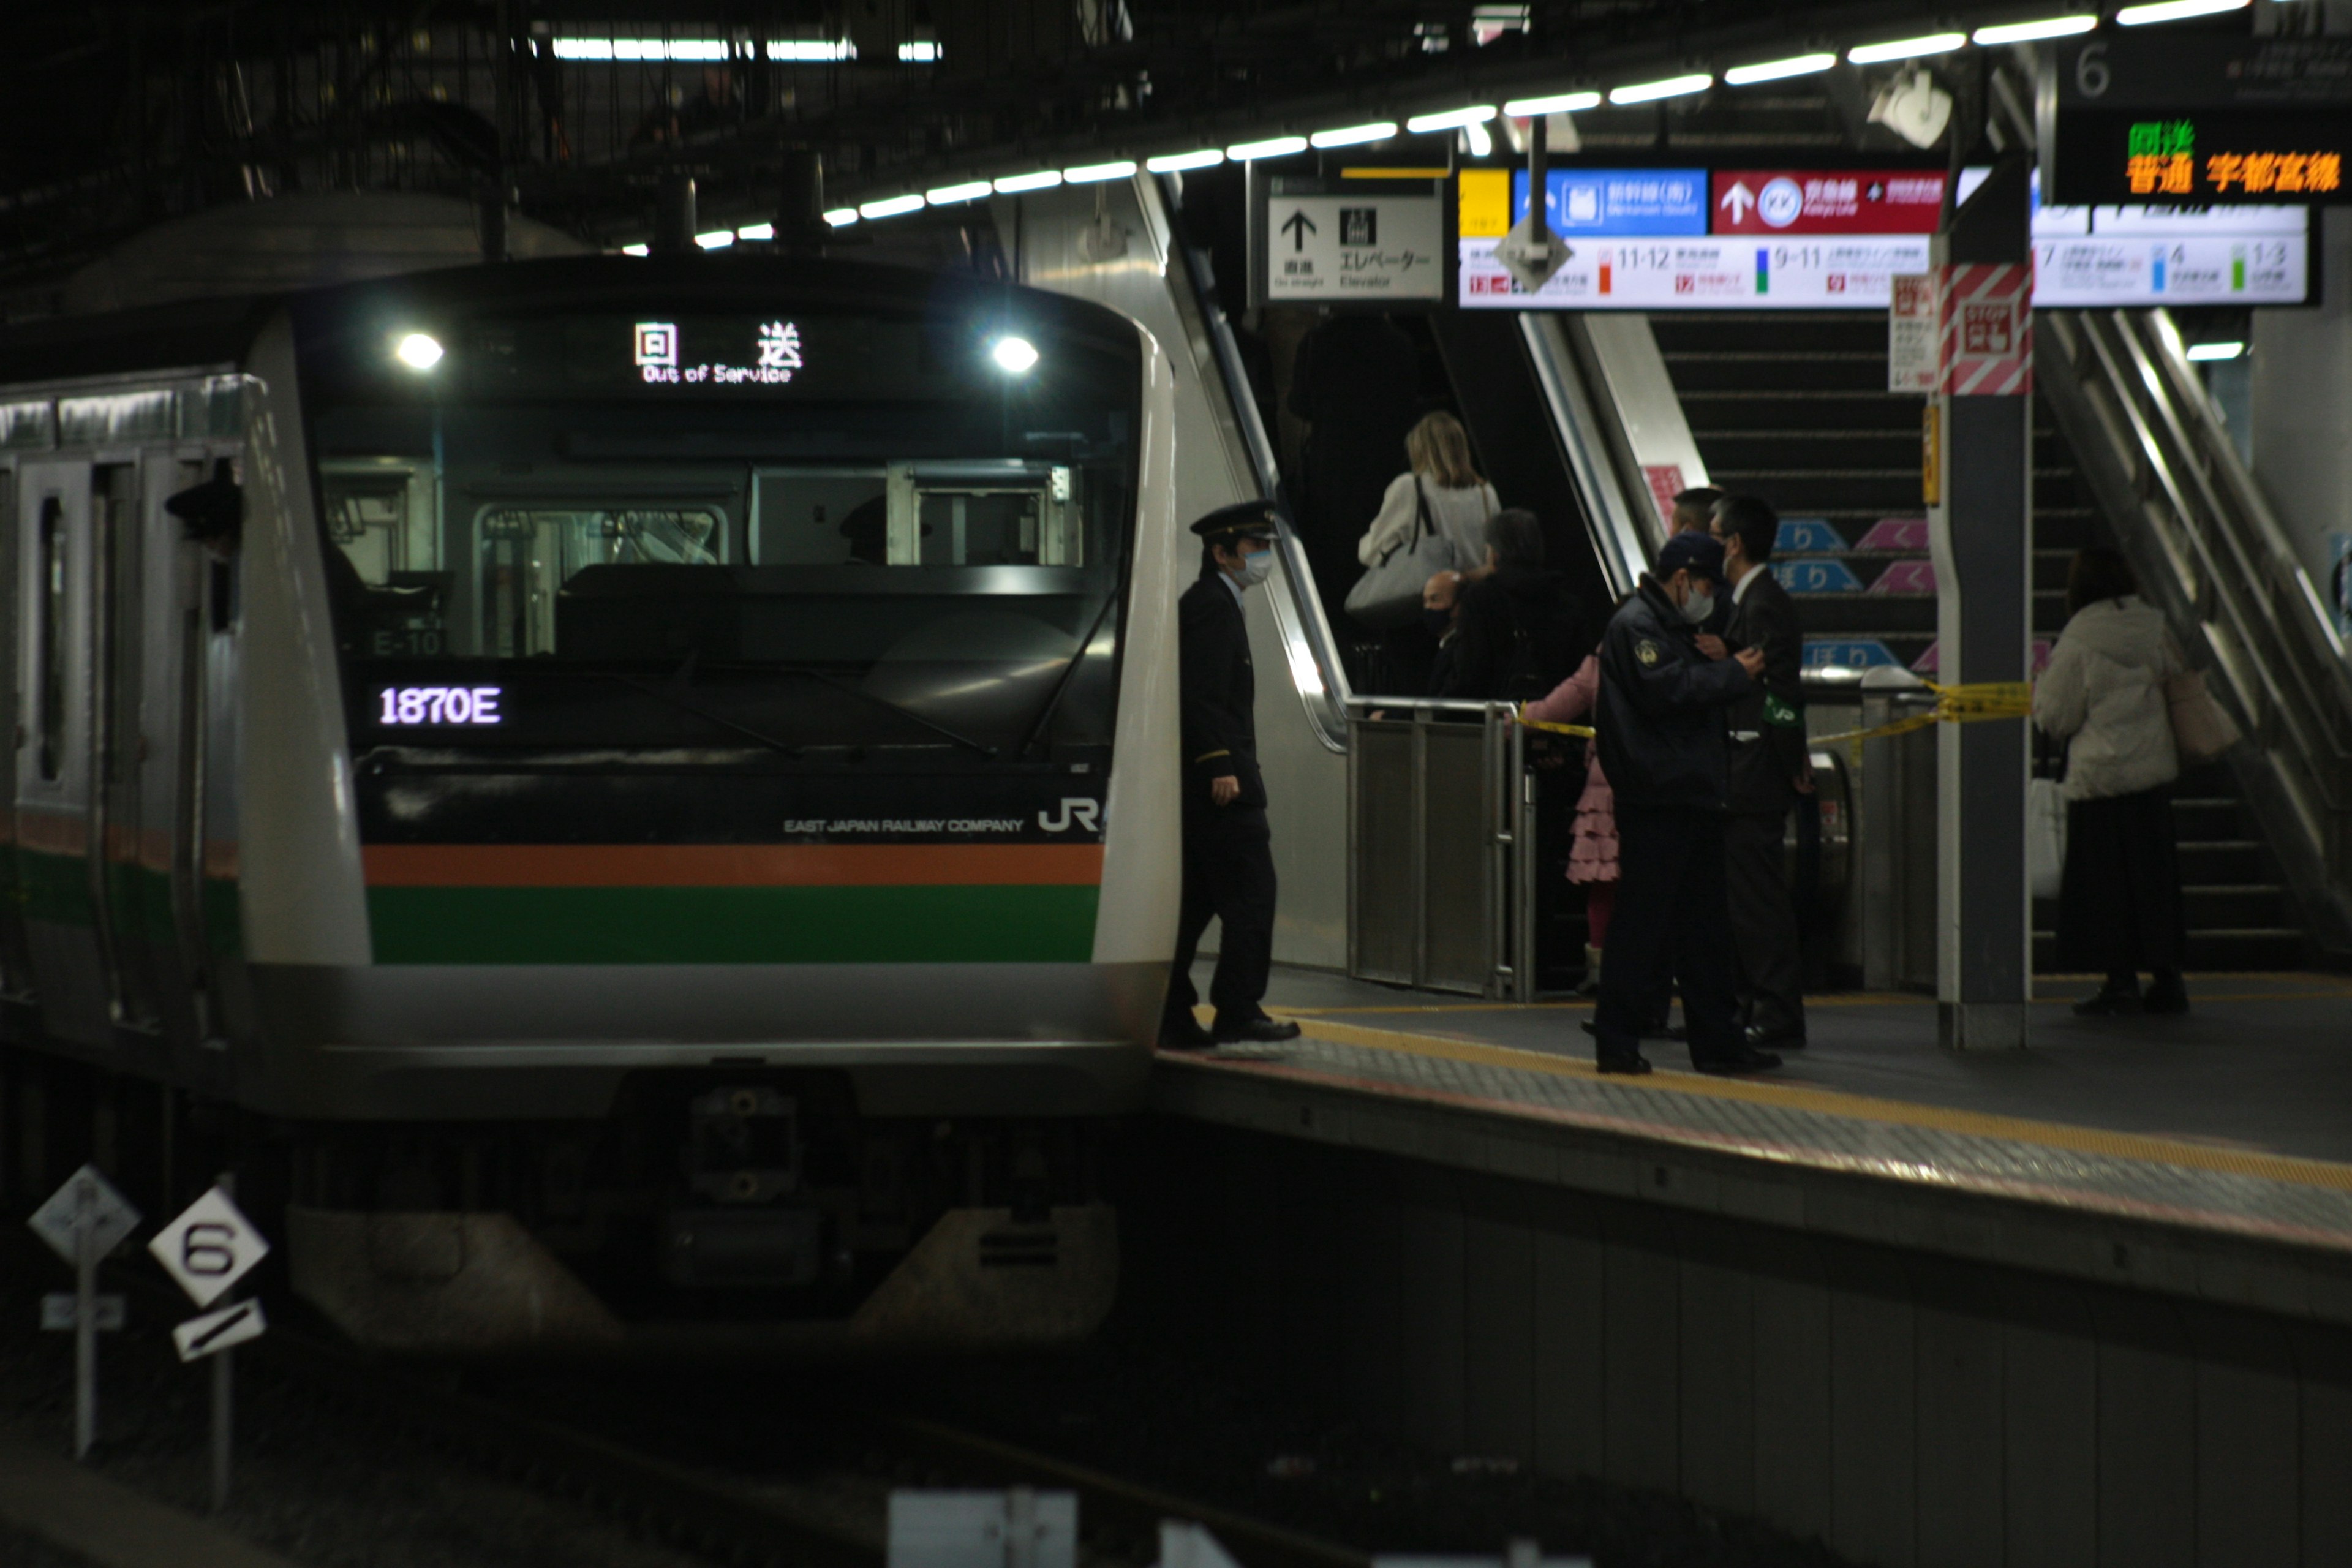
x,y
1048,924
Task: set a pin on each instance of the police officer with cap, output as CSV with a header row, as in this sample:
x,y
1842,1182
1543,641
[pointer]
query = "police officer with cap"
x,y
1660,724
1228,849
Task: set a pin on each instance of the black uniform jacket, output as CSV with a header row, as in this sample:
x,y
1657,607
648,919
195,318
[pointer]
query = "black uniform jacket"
x,y
1219,693
1660,717
1768,725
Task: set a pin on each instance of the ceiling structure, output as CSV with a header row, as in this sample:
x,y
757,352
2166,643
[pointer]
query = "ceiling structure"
x,y
120,115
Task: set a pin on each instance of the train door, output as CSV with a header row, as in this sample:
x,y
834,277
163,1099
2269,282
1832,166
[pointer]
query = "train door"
x,y
55,800
174,753
132,891
15,954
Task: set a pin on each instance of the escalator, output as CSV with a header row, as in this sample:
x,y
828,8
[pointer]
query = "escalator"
x,y
1794,408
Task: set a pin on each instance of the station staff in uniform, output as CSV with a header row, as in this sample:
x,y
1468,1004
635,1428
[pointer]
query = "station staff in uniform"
x,y
1660,733
1768,771
1228,849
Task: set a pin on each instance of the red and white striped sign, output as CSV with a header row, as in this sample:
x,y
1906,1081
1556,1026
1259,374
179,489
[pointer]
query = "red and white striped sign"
x,y
1985,329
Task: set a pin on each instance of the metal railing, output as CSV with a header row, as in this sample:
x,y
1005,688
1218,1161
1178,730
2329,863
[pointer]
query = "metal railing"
x,y
2210,550
1441,846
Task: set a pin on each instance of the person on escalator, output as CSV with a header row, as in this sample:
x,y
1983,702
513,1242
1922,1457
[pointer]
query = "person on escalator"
x,y
2119,906
1442,491
1518,630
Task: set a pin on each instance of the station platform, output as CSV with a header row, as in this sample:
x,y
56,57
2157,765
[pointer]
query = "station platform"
x,y
2208,1153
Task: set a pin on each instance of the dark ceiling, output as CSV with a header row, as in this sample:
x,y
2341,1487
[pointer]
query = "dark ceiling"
x,y
119,115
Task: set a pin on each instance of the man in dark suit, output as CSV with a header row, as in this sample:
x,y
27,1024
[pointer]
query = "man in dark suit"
x,y
1228,847
1769,770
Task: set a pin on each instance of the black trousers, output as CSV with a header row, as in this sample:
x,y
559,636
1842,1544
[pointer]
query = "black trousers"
x,y
1673,924
1228,873
2119,905
1764,923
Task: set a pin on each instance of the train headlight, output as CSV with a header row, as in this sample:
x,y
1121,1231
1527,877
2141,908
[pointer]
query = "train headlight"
x,y
1014,356
417,350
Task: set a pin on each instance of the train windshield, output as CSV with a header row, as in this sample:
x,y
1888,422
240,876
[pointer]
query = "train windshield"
x,y
770,534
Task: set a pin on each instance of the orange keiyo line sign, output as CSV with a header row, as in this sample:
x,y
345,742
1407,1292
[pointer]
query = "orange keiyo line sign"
x,y
732,865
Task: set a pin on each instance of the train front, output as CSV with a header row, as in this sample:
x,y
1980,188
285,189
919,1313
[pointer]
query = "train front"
x,y
726,888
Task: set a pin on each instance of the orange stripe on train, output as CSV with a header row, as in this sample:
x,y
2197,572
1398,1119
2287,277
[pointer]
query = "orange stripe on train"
x,y
732,865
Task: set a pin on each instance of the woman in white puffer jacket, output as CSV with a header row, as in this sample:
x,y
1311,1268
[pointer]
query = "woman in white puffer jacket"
x,y
2120,902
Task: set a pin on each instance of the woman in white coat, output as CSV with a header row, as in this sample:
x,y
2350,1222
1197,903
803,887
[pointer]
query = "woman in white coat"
x,y
1443,485
2119,901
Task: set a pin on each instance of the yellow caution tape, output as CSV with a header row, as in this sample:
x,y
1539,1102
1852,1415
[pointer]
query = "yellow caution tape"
x,y
1954,705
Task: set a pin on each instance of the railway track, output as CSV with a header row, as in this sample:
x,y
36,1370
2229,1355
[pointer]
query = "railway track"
x,y
835,1521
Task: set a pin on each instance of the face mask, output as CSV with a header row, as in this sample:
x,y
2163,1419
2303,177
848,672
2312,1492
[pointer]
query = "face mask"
x,y
1257,568
1698,606
1439,622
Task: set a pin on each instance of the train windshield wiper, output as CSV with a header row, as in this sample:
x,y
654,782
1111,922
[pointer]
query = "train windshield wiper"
x,y
673,692
811,672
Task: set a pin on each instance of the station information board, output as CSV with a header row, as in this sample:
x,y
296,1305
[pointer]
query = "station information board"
x,y
1669,239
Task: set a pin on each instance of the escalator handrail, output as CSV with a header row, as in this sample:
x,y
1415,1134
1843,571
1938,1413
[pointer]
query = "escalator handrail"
x,y
1307,645
1611,523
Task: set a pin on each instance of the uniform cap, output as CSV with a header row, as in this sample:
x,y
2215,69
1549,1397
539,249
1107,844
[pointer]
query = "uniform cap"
x,y
1701,555
1243,520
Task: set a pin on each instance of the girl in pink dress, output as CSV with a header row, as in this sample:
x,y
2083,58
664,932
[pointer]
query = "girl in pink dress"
x,y
1593,857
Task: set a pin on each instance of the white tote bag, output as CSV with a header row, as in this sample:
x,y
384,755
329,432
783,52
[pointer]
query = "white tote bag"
x,y
2045,837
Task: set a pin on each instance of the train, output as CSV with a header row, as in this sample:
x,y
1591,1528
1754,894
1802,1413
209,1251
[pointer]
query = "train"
x,y
632,799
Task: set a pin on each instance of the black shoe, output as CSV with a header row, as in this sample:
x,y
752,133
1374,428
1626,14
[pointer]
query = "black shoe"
x,y
2113,1003
1632,1064
1253,1031
1746,1058
2167,998
1763,1039
1184,1032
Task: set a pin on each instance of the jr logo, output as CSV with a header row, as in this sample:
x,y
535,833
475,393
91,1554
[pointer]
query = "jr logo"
x,y
1084,813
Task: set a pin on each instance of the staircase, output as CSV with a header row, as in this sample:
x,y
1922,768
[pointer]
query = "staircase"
x,y
1793,407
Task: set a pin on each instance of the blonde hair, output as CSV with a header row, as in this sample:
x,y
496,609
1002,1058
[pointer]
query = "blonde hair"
x,y
1439,450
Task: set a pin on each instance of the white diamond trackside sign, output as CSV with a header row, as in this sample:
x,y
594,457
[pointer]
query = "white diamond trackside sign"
x,y
87,1206
209,1247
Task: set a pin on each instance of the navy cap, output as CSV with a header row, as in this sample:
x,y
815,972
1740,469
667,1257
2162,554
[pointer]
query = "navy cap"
x,y
1701,555
1243,520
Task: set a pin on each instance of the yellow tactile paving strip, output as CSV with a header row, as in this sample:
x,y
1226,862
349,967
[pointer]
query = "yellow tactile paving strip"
x,y
2199,1155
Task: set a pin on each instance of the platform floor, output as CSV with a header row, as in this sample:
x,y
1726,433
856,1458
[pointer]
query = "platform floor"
x,y
2237,1117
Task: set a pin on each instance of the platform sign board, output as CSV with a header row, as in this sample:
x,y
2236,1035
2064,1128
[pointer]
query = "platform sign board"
x,y
959,1528
1911,333
209,1247
2140,256
1825,201
1363,247
2203,119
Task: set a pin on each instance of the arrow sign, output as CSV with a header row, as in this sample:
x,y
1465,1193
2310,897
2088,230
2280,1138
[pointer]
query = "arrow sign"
x,y
209,1247
233,1325
1739,198
1298,225
88,1206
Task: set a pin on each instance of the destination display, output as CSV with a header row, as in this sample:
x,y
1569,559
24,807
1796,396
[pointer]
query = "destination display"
x,y
1837,238
673,353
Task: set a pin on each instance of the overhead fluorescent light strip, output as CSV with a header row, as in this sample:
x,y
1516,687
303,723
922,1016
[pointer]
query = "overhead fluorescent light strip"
x,y
756,231
812,50
1354,135
890,206
1451,119
842,217
1272,147
919,54
2202,352
1088,173
641,49
1672,86
1907,49
2175,11
718,239
948,195
1557,103
1177,163
1042,180
1774,70
636,250
2048,27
